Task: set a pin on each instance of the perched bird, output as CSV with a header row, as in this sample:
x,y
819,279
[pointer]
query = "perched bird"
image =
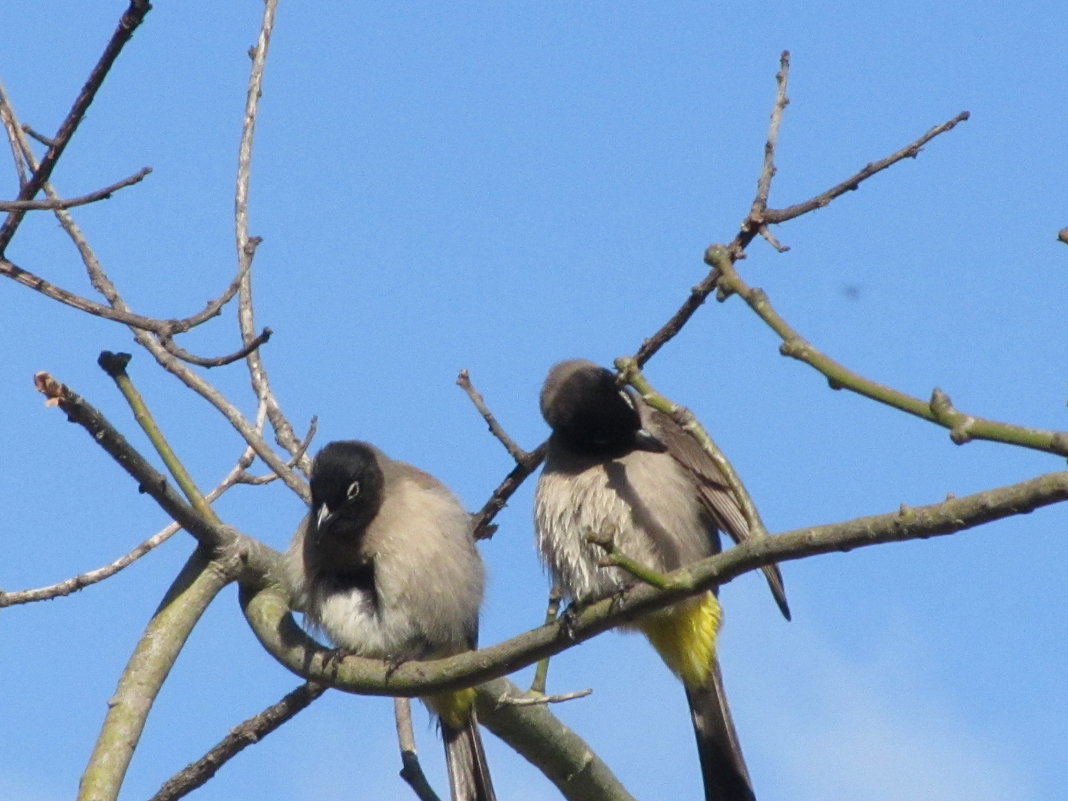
x,y
615,466
385,565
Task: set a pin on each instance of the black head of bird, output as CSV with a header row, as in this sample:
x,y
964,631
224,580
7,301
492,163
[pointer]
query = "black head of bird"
x,y
616,464
346,489
386,566
587,408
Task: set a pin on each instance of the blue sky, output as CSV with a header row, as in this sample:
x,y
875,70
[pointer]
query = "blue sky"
x,y
499,186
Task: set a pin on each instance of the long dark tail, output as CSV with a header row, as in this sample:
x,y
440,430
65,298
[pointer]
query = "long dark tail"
x,y
722,765
469,778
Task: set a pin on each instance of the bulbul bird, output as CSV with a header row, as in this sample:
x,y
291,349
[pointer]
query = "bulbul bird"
x,y
615,466
385,564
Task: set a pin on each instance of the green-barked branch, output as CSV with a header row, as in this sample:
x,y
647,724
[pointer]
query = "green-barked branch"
x,y
962,427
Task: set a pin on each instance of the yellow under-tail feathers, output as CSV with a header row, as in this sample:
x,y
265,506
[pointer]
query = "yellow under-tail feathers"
x,y
685,636
454,708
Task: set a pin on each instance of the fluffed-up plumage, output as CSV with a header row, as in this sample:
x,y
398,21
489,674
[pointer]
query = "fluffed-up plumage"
x,y
386,566
616,467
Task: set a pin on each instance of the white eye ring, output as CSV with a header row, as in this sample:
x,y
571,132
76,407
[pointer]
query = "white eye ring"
x,y
626,396
353,490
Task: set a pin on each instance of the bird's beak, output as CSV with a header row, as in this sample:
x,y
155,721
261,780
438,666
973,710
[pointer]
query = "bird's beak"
x,y
644,441
322,517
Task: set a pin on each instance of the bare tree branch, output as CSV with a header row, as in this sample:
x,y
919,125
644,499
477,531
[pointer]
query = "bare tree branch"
x,y
854,181
98,278
82,580
88,578
554,749
143,327
114,364
526,462
463,380
218,361
283,430
185,601
411,771
297,457
50,290
541,672
166,360
81,200
248,432
250,732
213,536
40,137
267,609
756,223
767,173
128,23
938,409
534,698
11,128
483,526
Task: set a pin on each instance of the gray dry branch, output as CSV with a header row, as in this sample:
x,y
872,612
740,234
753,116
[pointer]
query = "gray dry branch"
x,y
269,616
224,555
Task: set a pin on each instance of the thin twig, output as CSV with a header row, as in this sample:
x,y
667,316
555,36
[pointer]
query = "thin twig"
x,y
752,227
128,23
120,312
141,326
82,200
411,771
284,434
614,557
760,202
250,732
57,293
207,391
302,448
248,456
150,480
34,134
517,453
526,462
483,519
218,361
769,237
536,700
11,128
297,457
541,671
258,481
910,151
214,307
571,764
83,580
114,364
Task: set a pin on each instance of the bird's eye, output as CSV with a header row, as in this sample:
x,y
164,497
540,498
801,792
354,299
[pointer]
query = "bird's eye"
x,y
353,490
627,398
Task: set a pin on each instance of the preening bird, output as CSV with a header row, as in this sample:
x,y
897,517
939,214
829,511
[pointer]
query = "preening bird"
x,y
617,466
385,564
